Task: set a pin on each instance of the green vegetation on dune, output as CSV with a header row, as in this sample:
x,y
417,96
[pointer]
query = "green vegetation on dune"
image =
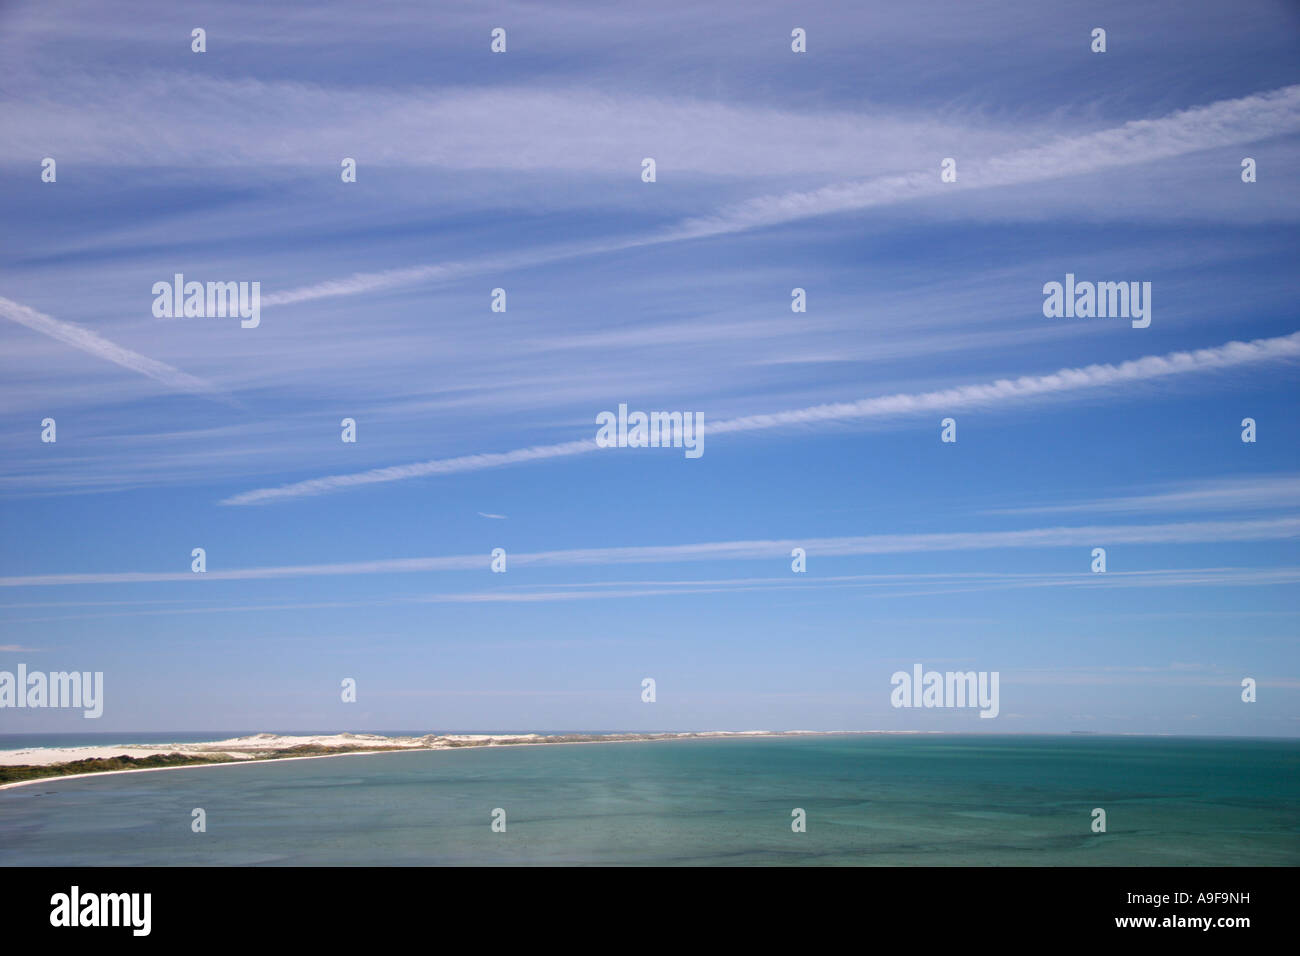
x,y
99,764
21,772
313,750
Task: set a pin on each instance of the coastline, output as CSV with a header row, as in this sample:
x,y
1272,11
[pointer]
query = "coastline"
x,y
263,748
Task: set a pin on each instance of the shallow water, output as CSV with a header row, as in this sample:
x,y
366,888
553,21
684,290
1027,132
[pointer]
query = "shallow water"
x,y
873,800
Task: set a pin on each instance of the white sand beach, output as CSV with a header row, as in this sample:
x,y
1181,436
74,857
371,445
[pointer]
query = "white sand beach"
x,y
235,748
245,748
280,747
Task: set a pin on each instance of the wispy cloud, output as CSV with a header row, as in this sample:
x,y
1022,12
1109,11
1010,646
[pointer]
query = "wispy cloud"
x,y
483,514
107,118
1243,120
1003,391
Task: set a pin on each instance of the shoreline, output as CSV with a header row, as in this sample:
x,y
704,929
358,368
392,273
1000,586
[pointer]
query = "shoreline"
x,y
264,747
258,748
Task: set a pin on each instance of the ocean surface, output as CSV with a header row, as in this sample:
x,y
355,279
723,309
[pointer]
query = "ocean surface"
x,y
869,800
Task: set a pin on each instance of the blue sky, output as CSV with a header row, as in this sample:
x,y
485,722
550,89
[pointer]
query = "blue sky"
x,y
775,170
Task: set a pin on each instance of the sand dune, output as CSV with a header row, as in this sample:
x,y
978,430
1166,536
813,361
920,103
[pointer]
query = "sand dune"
x,y
264,745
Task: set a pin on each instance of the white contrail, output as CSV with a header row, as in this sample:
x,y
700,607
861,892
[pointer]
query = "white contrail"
x,y
1249,118
444,466
963,396
1187,532
1258,493
1243,120
100,347
1028,386
878,585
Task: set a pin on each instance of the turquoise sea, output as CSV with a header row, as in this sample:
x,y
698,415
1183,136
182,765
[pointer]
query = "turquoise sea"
x,y
869,800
